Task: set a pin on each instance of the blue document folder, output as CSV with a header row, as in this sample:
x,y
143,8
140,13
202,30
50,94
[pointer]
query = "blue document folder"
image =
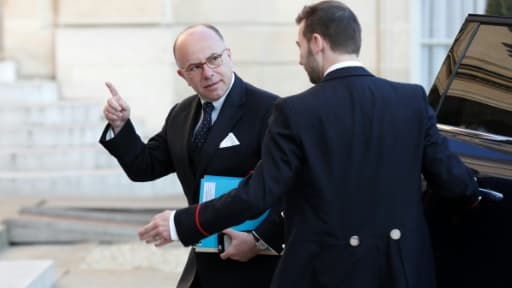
x,y
213,187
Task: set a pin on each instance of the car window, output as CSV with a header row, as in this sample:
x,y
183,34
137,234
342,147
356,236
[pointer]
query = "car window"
x,y
479,93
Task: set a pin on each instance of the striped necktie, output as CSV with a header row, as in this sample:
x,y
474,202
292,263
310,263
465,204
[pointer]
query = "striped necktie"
x,y
204,127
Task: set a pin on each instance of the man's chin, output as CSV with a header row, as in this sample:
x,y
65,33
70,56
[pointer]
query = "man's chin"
x,y
313,79
211,97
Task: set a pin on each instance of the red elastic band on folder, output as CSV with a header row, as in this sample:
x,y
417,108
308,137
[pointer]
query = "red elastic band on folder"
x,y
197,222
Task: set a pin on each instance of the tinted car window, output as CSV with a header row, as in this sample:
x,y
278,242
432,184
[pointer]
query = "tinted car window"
x,y
479,95
455,55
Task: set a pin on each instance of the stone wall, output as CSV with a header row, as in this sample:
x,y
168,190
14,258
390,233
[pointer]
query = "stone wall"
x,y
28,36
83,43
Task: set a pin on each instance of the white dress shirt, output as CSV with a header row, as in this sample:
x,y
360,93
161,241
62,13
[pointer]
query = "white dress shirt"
x,y
351,63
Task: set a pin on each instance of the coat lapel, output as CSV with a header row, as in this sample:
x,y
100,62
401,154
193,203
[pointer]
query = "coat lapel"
x,y
190,119
229,114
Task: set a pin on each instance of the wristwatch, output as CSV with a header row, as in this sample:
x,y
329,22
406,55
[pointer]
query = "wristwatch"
x,y
260,244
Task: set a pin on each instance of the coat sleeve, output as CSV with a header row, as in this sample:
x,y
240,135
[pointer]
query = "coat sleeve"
x,y
140,161
271,229
442,169
273,176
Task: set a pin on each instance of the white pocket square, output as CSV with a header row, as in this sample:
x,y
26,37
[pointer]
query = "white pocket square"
x,y
229,141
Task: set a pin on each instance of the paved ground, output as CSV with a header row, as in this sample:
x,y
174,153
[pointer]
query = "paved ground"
x,y
131,264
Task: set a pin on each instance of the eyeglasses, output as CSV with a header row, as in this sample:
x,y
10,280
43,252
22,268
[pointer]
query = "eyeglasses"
x,y
213,61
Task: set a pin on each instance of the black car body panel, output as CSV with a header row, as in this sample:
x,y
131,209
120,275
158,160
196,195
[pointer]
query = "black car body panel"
x,y
472,96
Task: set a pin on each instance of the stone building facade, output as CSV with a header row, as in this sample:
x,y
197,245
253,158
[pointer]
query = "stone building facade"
x,y
82,43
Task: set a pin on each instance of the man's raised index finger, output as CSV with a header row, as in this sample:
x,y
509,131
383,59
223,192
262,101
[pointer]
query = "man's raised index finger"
x,y
112,89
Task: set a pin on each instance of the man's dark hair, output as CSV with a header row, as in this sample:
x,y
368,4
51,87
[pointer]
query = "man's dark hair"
x,y
335,22
208,26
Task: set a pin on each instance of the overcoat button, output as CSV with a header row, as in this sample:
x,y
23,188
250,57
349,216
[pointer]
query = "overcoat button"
x,y
395,234
354,241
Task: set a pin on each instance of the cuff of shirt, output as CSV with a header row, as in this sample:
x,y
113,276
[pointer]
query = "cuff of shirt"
x,y
172,227
110,134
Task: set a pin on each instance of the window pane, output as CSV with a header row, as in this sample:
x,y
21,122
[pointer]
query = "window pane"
x,y
440,22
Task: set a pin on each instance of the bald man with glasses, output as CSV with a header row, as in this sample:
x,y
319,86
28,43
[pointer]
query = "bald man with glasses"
x,y
192,143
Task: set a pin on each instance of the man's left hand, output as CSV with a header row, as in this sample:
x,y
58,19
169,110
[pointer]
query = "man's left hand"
x,y
157,232
242,248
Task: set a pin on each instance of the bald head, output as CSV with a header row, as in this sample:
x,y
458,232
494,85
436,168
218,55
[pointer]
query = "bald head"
x,y
204,61
195,32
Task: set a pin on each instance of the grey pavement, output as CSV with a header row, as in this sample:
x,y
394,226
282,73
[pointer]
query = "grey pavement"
x,y
97,264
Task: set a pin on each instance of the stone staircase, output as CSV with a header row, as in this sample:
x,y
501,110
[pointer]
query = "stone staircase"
x,y
49,147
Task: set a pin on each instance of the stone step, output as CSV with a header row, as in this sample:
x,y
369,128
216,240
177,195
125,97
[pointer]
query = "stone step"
x,y
103,204
70,112
3,238
48,230
84,183
64,158
27,274
49,136
29,91
8,71
64,135
135,217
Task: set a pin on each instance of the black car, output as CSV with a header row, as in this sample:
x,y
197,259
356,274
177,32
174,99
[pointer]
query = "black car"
x,y
472,96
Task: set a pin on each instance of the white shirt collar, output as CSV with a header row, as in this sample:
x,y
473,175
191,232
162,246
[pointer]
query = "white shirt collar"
x,y
351,63
217,104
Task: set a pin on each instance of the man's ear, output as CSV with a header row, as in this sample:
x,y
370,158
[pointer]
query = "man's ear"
x,y
316,43
181,73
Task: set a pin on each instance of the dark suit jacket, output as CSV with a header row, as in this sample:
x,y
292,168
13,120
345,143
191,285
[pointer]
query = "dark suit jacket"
x,y
347,155
245,113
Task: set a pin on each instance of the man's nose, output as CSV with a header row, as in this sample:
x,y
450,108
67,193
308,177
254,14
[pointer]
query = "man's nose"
x,y
206,72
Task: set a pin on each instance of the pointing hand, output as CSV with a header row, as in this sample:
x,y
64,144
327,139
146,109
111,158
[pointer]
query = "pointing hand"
x,y
116,110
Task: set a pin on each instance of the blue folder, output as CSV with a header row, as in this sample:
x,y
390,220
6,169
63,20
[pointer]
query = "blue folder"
x,y
213,187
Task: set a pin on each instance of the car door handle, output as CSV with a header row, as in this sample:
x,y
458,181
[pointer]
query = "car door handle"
x,y
490,195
